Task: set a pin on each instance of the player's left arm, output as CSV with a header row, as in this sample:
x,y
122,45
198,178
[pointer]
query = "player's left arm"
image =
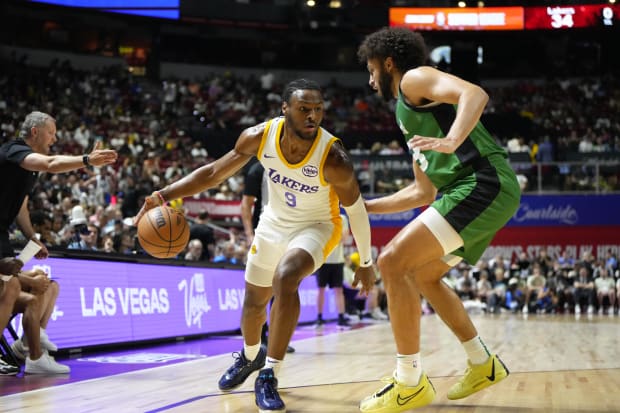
x,y
425,84
338,172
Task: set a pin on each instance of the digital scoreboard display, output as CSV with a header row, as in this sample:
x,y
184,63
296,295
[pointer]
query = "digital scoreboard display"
x,y
506,18
464,18
569,17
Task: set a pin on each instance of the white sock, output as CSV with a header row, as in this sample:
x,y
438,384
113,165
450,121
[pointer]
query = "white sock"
x,y
251,352
408,369
476,351
274,364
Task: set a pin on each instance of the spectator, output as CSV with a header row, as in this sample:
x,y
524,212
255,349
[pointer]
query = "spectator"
x,y
605,290
226,255
199,229
194,250
584,290
496,297
23,158
534,287
86,238
107,244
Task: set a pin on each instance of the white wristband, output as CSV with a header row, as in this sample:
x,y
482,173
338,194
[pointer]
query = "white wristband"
x,y
360,228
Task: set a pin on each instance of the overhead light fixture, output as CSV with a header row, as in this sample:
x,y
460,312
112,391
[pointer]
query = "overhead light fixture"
x,y
462,4
335,4
310,3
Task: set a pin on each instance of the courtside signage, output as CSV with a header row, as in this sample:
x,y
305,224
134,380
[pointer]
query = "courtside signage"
x,y
105,302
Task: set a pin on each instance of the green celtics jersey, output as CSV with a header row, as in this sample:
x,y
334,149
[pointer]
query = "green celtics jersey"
x,y
435,120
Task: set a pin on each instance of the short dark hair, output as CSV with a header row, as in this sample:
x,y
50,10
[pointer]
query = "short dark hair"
x,y
39,217
406,47
299,84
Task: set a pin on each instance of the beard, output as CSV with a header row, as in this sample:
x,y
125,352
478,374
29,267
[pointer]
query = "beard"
x,y
307,136
385,86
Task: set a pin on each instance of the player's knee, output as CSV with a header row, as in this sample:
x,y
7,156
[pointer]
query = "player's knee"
x,y
388,263
285,282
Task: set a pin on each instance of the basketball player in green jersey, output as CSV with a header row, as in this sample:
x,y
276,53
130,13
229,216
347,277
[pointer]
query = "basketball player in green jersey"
x,y
455,156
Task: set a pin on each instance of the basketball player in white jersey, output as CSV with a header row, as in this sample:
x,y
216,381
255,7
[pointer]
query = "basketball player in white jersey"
x,y
310,175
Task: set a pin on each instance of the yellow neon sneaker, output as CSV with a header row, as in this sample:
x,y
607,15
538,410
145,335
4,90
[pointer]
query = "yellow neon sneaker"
x,y
478,377
396,397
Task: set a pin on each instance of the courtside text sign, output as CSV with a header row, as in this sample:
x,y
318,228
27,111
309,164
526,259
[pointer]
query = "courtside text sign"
x,y
105,302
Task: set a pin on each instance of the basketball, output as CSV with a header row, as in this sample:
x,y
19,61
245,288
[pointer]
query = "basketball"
x,y
163,232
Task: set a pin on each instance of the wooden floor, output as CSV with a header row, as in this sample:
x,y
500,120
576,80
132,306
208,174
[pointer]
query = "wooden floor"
x,y
557,363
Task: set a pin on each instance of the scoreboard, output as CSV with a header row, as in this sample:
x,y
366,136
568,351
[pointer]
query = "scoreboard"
x,y
506,18
568,17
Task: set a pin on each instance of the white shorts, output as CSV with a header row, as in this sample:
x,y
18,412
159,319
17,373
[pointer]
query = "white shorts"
x,y
272,241
448,238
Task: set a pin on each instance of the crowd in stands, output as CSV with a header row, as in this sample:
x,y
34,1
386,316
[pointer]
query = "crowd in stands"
x,y
163,130
520,285
540,284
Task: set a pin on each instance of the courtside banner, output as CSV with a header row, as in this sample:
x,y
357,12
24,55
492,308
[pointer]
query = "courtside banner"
x,y
567,210
511,241
540,210
570,240
465,18
105,302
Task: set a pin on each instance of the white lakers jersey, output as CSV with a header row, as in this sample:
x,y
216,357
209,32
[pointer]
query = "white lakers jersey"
x,y
298,193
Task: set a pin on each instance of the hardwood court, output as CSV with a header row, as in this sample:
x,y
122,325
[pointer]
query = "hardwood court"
x,y
557,363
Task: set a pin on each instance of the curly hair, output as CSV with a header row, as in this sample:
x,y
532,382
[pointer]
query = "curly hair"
x,y
406,48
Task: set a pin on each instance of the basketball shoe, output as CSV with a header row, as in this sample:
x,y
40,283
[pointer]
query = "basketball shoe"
x,y
20,350
396,397
266,392
7,369
241,369
478,377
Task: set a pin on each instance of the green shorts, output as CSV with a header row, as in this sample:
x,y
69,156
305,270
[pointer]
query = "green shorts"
x,y
480,204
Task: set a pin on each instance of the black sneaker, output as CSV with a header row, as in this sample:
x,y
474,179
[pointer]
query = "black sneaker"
x,y
290,349
344,323
266,392
241,369
7,369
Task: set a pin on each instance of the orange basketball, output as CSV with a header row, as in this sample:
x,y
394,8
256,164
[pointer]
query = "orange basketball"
x,y
163,232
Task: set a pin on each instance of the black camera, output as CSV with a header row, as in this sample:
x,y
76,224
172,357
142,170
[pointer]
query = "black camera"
x,y
81,229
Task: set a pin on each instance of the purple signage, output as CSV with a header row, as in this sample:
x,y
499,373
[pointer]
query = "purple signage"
x,y
539,210
567,210
104,302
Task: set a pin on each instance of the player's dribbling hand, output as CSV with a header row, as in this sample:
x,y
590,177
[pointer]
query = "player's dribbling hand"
x,y
366,276
150,202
